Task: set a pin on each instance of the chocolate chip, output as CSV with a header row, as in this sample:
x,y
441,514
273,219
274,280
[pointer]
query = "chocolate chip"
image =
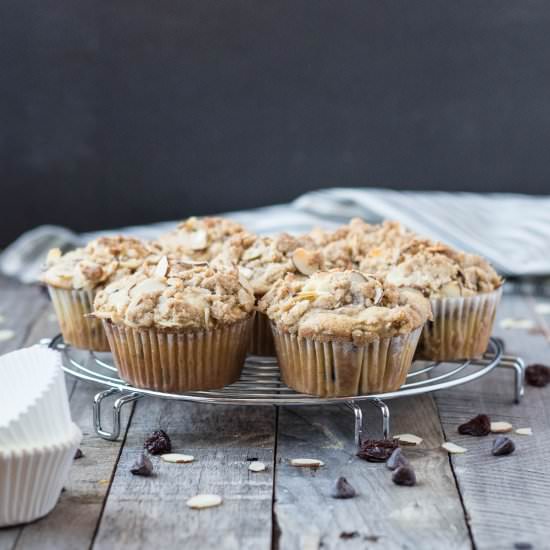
x,y
349,534
343,489
478,426
397,458
503,445
78,454
252,458
377,450
523,546
142,466
158,443
537,375
404,475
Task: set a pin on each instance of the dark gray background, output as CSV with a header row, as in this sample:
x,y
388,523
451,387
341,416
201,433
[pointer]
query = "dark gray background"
x,y
115,112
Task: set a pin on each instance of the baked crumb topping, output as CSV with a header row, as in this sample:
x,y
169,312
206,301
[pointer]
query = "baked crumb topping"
x,y
440,271
174,294
344,305
100,262
264,260
199,238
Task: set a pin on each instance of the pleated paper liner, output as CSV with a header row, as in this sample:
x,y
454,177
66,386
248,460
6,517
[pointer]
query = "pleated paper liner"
x,y
31,478
261,341
340,369
461,327
178,361
73,309
34,407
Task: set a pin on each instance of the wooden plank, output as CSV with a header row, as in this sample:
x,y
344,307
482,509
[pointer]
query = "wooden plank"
x,y
73,522
428,515
143,512
507,498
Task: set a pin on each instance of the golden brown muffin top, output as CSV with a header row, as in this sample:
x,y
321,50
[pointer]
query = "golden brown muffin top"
x,y
344,305
199,238
176,295
264,260
440,271
100,262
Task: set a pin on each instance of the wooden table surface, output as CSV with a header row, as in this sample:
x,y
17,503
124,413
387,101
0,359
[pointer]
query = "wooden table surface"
x,y
472,500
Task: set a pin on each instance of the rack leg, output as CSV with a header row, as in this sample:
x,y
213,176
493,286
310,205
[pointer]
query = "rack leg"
x,y
117,408
384,409
518,365
358,413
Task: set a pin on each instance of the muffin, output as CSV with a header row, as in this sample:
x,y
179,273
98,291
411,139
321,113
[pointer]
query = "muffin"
x,y
74,278
263,261
464,291
178,327
198,238
344,333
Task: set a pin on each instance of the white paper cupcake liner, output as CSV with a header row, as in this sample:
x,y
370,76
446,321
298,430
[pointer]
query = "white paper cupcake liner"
x,y
341,369
461,327
73,309
34,407
177,362
31,479
261,340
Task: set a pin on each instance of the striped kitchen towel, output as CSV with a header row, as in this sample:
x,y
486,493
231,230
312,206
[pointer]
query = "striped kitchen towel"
x,y
512,231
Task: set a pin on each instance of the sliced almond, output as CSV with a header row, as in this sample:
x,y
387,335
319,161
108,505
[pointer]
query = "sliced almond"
x,y
408,439
378,295
307,462
252,253
311,296
6,334
198,240
198,502
162,268
453,448
510,323
501,427
524,431
257,466
246,272
306,262
176,458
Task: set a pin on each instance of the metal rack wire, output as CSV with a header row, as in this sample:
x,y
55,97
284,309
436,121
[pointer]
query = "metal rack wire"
x,y
260,384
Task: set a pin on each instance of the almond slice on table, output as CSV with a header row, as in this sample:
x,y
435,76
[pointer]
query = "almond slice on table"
x,y
408,439
306,462
453,448
501,427
257,466
306,262
198,502
176,458
524,431
6,334
511,323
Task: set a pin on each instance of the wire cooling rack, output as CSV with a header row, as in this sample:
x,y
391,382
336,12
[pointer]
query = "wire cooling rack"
x,y
260,384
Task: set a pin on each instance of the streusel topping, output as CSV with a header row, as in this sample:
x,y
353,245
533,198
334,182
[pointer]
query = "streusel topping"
x,y
264,260
371,248
440,271
199,238
343,305
100,262
176,295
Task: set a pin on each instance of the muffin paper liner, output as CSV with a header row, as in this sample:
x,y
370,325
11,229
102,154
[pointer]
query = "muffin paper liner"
x,y
34,408
177,362
461,327
31,479
73,309
340,369
261,341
